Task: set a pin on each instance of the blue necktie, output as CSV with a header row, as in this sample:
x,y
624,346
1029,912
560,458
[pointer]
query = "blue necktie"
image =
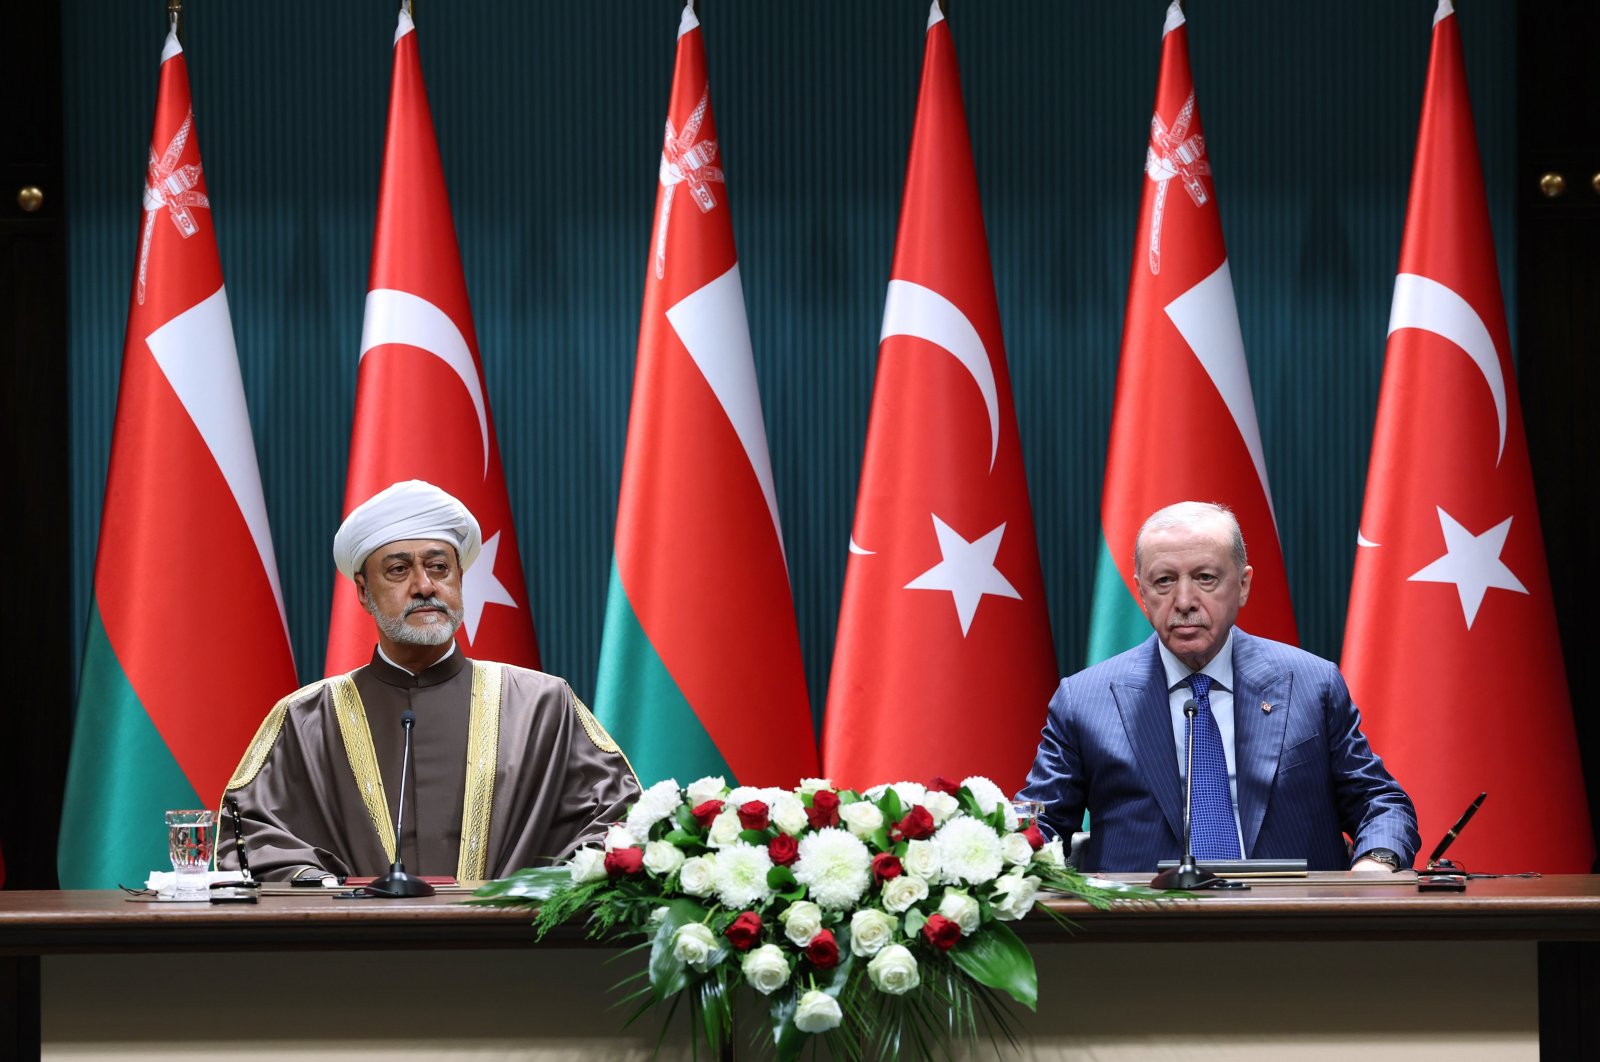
x,y
1211,824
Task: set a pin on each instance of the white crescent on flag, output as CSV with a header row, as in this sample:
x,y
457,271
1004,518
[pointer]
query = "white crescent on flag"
x,y
1426,304
401,317
913,310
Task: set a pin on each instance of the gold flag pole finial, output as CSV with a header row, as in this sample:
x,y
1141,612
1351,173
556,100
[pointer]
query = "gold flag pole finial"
x,y
175,16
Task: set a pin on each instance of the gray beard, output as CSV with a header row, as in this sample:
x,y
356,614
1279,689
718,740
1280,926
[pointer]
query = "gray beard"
x,y
398,630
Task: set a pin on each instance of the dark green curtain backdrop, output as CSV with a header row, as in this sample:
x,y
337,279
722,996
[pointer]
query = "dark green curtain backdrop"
x,y
549,117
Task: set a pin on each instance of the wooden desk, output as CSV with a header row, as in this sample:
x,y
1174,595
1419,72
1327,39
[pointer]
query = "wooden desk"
x,y
1302,971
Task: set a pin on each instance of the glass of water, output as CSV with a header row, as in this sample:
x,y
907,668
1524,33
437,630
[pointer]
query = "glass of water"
x,y
1028,812
190,835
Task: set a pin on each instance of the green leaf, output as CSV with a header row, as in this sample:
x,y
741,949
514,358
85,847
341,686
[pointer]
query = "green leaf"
x,y
996,957
889,804
668,976
781,879
787,1040
683,839
880,838
847,796
686,819
915,920
530,886
759,838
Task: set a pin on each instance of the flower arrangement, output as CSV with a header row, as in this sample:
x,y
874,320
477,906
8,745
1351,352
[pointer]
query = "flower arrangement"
x,y
876,920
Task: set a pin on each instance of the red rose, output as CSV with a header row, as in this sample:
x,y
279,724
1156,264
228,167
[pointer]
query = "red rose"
x,y
823,951
941,784
624,861
745,931
941,932
824,809
753,816
917,825
886,865
704,813
1035,838
783,850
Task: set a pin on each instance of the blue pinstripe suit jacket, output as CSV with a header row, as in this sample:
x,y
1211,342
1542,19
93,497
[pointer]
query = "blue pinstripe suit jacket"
x,y
1306,775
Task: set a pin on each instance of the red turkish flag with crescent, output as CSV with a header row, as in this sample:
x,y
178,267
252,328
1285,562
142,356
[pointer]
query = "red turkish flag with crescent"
x,y
1451,647
422,408
944,663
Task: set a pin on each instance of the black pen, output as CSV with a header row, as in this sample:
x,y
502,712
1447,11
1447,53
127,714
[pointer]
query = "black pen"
x,y
1466,816
238,843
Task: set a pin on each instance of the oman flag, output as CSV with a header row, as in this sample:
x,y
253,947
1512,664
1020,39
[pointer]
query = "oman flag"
x,y
1451,647
700,670
422,409
944,663
187,646
1184,423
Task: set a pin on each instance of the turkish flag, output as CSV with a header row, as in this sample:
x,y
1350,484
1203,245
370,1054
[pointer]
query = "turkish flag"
x,y
1181,338
1451,647
422,408
944,663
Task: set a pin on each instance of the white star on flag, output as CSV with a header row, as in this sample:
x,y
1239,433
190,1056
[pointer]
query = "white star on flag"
x,y
1472,562
479,587
967,571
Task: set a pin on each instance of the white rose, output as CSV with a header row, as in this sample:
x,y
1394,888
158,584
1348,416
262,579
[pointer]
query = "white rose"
x,y
809,786
921,860
901,893
693,944
817,1012
704,789
789,815
941,806
861,818
765,969
724,829
698,876
870,931
961,909
1014,896
659,915
802,920
1053,854
588,864
1015,850
894,970
619,836
662,857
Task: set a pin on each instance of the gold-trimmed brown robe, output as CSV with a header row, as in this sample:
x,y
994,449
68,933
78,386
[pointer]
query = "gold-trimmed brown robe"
x,y
557,778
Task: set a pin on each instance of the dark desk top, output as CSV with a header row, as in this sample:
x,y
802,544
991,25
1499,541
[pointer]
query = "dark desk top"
x,y
1557,907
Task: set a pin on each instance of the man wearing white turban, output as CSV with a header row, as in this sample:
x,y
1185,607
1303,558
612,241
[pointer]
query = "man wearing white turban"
x,y
508,770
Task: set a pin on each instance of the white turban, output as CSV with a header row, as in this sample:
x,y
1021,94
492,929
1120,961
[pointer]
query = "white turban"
x,y
409,509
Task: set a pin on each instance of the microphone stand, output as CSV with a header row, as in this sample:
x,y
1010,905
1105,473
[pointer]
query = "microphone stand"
x,y
397,883
1186,875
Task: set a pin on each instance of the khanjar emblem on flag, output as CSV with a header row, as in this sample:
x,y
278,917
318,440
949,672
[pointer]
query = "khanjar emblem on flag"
x,y
172,186
686,160
1174,153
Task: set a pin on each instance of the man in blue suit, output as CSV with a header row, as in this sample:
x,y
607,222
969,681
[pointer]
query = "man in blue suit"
x,y
1282,770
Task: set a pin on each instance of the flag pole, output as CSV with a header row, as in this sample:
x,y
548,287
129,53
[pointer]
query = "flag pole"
x,y
175,18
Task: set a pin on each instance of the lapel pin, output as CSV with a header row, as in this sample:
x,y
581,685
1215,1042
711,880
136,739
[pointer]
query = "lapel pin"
x,y
1266,708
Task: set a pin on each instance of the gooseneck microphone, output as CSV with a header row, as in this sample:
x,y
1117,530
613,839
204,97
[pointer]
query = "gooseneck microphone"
x,y
1186,875
397,883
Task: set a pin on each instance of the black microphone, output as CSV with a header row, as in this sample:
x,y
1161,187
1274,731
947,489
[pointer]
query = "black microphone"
x,y
397,882
1186,875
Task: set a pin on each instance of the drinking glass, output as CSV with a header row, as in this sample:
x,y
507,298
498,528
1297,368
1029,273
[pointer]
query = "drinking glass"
x,y
190,835
1027,811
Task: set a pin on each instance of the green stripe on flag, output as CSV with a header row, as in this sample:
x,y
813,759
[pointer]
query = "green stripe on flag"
x,y
643,708
121,779
1116,622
